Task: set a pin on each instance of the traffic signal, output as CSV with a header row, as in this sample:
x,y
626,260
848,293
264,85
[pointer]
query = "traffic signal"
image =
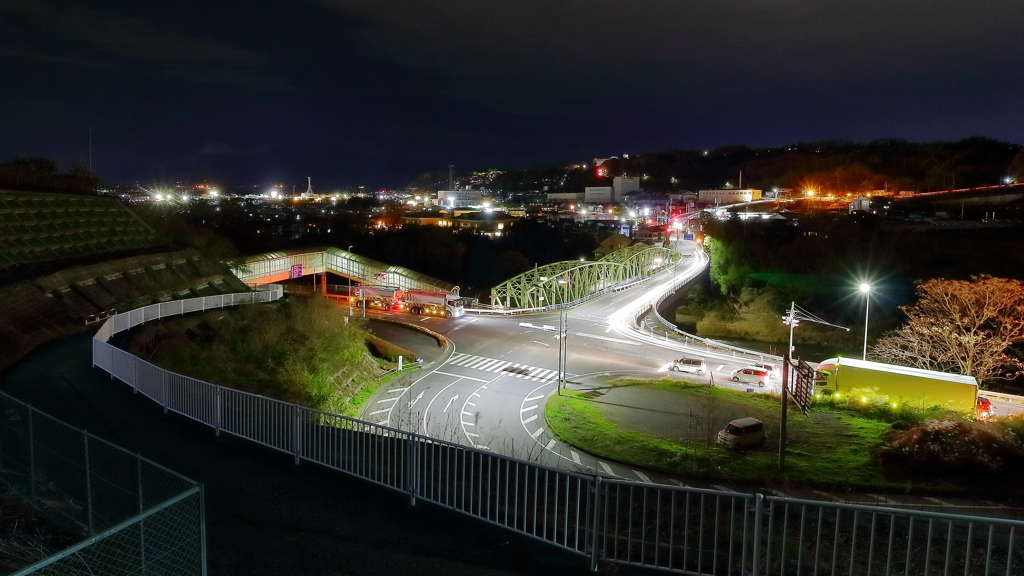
x,y
786,321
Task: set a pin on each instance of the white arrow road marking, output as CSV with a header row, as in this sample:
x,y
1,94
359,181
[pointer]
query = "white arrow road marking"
x,y
415,400
449,404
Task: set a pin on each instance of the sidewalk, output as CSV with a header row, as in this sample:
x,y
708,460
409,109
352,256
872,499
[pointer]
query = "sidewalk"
x,y
267,516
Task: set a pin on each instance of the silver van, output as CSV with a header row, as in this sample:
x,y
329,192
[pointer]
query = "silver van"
x,y
742,433
692,365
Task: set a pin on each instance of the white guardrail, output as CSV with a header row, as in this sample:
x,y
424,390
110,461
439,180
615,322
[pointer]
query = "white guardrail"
x,y
671,528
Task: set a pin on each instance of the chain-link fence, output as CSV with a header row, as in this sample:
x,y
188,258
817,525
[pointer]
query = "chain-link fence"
x,y
132,515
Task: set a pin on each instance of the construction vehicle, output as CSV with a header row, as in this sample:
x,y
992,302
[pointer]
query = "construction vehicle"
x,y
864,381
385,297
434,303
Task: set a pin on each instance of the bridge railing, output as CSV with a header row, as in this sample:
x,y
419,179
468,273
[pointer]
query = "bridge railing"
x,y
679,529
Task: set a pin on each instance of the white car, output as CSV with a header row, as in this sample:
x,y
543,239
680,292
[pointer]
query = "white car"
x,y
693,365
773,369
750,375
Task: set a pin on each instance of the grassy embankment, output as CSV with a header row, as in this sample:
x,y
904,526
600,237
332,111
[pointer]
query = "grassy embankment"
x,y
873,444
300,350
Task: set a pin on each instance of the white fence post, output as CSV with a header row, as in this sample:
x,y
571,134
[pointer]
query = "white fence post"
x,y
297,430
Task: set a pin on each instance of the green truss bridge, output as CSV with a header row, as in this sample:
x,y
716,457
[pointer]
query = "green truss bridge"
x,y
573,280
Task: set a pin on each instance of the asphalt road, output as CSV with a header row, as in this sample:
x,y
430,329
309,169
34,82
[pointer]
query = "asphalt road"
x,y
490,388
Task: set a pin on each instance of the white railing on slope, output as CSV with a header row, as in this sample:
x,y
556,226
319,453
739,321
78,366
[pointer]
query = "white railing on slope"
x,y
678,529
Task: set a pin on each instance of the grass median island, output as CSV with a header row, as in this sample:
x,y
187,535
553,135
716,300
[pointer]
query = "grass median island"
x,y
831,445
301,349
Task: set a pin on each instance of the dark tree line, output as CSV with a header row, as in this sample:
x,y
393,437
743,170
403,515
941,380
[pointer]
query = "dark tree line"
x,y
833,165
818,261
43,175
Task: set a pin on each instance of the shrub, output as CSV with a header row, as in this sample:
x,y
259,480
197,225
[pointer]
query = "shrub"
x,y
952,448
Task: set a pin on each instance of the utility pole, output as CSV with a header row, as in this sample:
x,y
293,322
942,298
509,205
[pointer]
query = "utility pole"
x,y
563,324
785,403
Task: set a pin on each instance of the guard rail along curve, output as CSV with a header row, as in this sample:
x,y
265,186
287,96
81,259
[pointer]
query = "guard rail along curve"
x,y
671,528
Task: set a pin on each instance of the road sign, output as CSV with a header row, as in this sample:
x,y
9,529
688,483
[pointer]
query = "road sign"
x,y
296,271
687,236
803,389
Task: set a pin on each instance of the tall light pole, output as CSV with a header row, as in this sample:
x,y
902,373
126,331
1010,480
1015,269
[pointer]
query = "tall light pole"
x,y
866,290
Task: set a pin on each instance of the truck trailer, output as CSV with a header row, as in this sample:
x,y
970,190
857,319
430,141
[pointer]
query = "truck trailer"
x,y
434,303
864,381
386,297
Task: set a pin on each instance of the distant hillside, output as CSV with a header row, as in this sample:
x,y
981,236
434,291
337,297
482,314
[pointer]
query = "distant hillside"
x,y
834,165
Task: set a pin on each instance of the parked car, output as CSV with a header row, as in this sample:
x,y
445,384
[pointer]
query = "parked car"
x,y
773,369
985,408
750,375
743,433
693,365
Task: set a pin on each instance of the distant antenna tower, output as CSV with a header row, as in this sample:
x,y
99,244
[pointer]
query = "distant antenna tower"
x,y
309,185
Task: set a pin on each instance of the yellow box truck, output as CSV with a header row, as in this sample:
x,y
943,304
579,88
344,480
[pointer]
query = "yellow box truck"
x,y
872,381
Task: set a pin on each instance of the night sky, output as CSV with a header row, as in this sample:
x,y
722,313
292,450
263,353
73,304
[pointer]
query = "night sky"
x,y
375,91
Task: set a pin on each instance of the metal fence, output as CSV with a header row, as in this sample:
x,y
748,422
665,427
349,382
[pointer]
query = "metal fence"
x,y
671,528
136,517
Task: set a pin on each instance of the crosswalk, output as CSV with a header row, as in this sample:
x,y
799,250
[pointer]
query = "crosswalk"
x,y
522,371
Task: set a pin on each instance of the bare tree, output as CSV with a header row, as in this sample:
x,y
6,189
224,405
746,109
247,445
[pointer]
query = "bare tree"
x,y
961,326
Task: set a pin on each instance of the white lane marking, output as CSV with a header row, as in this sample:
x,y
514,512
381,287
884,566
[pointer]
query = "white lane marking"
x,y
575,457
395,390
616,340
426,412
642,476
474,417
414,400
550,444
468,424
460,376
387,400
380,411
473,320
528,408
467,413
449,404
720,366
538,432
532,398
722,488
530,419
541,343
606,467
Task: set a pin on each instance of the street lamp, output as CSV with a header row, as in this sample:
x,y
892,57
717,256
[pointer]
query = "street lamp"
x,y
866,290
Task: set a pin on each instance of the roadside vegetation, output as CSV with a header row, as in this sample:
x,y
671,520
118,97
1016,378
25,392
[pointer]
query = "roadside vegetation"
x,y
301,350
838,443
